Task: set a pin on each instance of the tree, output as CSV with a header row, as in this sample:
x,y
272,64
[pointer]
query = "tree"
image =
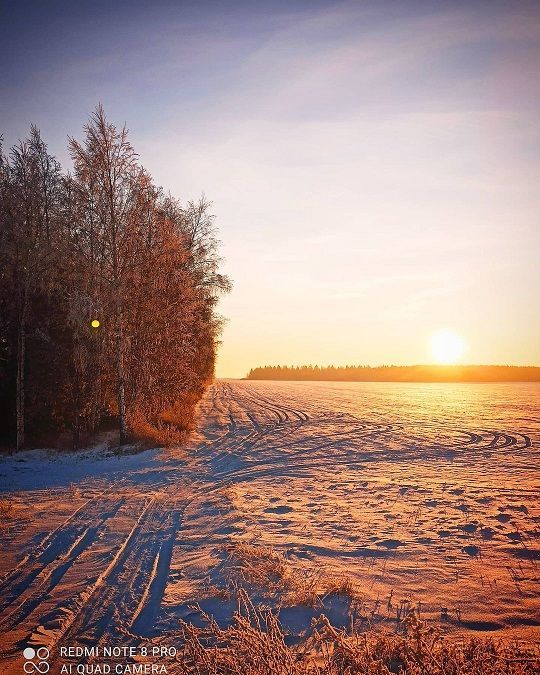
x,y
30,191
104,244
107,176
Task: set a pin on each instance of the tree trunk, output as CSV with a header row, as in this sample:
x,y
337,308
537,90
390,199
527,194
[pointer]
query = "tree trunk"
x,y
121,394
21,357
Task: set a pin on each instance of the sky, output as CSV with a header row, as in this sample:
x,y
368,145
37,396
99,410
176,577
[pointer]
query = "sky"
x,y
373,166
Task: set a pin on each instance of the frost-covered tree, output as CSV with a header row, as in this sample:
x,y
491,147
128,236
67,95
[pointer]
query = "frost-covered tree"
x,y
108,293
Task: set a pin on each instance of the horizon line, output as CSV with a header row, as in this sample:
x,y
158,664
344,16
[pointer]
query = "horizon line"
x,y
394,365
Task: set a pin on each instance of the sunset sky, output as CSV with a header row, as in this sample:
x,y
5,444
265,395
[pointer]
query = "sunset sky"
x,y
374,166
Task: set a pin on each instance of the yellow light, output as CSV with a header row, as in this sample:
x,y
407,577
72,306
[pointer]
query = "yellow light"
x,y
95,323
446,346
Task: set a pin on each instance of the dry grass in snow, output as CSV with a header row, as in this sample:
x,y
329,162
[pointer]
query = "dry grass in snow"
x,y
6,512
255,644
264,568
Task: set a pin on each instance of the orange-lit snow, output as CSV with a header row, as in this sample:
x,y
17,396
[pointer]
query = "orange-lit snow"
x,y
421,496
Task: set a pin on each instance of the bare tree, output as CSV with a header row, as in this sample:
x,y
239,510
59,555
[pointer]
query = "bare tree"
x,y
106,170
31,182
102,244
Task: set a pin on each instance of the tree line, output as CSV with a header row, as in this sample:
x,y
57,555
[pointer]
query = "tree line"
x,y
108,292
428,373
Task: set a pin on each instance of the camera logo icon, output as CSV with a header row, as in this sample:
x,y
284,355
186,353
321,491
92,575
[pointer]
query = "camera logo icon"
x,y
36,660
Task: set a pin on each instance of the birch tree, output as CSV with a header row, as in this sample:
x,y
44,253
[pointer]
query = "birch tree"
x,y
107,172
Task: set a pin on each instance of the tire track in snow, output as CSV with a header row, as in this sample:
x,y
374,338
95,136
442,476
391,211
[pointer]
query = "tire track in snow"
x,y
49,578
54,546
127,595
44,543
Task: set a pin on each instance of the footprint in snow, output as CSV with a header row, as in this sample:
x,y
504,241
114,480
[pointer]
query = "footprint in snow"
x,y
390,543
278,509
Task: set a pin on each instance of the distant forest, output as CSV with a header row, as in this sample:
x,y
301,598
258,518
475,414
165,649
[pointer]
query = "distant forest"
x,y
433,373
108,289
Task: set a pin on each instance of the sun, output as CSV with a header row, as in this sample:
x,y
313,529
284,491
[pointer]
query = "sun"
x,y
447,346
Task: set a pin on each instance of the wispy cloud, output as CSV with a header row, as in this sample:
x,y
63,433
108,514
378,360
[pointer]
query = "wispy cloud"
x,y
373,166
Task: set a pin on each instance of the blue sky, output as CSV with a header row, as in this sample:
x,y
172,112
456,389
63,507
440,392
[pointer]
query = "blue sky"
x,y
374,166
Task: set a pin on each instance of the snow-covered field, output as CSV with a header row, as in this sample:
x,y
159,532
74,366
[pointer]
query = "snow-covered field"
x,y
357,500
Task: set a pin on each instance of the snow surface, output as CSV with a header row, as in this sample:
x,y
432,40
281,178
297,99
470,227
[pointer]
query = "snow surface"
x,y
357,500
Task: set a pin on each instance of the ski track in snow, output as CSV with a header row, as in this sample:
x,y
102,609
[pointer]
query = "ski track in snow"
x,y
426,494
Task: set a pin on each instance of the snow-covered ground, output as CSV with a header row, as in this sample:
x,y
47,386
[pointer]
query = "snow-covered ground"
x,y
357,500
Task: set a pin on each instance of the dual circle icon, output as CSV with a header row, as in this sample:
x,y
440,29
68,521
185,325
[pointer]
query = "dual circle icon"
x,y
36,660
